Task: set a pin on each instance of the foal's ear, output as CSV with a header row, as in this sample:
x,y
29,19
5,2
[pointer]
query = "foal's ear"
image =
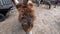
x,y
30,4
16,2
18,6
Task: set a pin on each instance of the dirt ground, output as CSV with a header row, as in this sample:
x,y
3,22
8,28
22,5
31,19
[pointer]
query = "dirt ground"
x,y
47,22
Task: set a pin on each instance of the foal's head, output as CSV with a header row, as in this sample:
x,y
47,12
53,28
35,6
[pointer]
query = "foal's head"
x,y
26,14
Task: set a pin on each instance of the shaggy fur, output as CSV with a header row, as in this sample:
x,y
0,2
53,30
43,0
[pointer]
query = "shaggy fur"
x,y
26,15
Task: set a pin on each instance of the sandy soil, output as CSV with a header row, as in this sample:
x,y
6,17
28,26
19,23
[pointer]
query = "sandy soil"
x,y
46,22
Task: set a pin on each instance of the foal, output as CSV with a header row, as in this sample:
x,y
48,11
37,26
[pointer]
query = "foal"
x,y
26,15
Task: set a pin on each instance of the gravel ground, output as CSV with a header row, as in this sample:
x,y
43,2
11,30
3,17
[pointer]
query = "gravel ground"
x,y
46,22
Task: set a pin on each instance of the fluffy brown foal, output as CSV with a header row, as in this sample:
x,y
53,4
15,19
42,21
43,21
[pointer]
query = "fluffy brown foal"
x,y
26,15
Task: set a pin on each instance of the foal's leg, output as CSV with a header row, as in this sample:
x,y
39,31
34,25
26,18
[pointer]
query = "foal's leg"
x,y
49,6
37,2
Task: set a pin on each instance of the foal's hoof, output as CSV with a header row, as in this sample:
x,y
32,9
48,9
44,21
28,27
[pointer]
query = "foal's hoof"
x,y
2,17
